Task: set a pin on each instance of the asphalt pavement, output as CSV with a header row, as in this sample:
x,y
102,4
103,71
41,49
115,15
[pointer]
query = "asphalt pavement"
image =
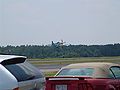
x,y
45,68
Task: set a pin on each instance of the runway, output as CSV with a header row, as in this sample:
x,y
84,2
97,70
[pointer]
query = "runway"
x,y
49,68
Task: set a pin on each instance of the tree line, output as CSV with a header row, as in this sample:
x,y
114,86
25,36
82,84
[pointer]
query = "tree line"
x,y
64,51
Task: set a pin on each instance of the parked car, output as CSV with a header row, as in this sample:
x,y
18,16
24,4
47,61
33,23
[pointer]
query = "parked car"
x,y
17,74
86,76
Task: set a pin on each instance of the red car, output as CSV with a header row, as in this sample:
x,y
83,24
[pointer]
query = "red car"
x,y
86,76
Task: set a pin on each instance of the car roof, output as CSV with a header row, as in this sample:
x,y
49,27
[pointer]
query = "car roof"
x,y
102,69
8,57
92,65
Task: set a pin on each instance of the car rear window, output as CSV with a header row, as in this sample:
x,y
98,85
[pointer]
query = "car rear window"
x,y
24,71
76,72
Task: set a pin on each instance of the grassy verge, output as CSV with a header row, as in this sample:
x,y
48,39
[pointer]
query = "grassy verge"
x,y
80,58
52,73
61,61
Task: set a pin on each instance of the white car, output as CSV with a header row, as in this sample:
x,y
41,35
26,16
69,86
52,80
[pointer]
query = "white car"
x,y
17,74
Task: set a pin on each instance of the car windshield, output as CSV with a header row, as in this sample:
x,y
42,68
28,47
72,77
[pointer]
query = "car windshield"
x,y
76,72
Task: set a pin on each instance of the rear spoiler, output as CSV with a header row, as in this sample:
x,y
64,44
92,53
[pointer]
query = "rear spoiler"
x,y
14,60
67,78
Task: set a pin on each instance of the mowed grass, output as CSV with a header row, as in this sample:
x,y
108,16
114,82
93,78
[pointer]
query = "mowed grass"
x,y
61,61
65,61
51,73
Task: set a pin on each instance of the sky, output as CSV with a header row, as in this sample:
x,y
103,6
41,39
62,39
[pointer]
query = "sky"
x,y
38,22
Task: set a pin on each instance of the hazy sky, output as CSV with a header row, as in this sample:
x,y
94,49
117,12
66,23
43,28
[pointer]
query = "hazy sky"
x,y
38,22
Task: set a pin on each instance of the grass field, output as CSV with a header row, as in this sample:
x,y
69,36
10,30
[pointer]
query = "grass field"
x,y
74,60
52,73
65,61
